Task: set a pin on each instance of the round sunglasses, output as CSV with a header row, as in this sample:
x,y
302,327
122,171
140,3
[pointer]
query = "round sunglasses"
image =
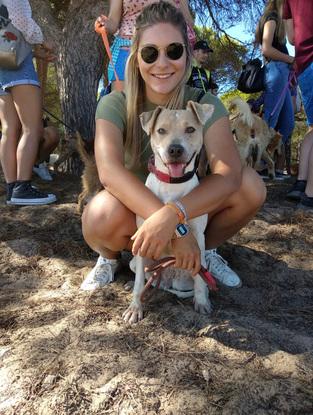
x,y
173,51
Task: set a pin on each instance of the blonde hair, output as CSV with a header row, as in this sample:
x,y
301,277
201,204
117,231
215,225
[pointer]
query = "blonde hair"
x,y
271,6
162,12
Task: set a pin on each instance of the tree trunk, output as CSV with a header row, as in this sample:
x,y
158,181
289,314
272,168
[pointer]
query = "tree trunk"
x,y
80,62
80,66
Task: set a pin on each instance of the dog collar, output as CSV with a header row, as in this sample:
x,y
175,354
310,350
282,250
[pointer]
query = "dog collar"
x,y
166,178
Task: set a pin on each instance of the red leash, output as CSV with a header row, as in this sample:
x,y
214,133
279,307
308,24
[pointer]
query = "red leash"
x,y
163,263
101,31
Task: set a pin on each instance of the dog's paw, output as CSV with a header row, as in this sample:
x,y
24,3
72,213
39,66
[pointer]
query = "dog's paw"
x,y
133,314
203,307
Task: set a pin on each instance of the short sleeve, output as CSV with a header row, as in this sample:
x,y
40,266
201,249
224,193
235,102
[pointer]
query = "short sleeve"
x,y
219,109
192,94
112,107
272,16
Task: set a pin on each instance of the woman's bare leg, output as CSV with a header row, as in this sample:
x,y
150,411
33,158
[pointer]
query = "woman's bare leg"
x,y
236,211
108,225
28,105
306,148
11,130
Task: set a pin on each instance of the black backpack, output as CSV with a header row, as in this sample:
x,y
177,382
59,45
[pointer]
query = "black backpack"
x,y
251,78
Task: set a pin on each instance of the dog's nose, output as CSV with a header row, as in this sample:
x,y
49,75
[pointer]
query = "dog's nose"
x,y
175,151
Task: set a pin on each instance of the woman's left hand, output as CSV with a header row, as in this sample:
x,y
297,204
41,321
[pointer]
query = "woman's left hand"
x,y
155,233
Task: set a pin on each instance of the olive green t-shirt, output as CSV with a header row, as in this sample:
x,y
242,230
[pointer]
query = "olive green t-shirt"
x,y
112,108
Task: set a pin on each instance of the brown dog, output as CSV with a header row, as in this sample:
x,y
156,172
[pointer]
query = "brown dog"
x,y
254,139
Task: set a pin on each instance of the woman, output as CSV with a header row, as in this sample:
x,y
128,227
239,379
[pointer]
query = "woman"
x,y
121,22
156,74
21,114
270,34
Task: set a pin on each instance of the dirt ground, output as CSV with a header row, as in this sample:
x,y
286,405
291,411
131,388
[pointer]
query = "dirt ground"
x,y
63,351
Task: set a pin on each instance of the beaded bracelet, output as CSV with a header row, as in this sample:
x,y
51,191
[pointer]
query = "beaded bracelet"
x,y
179,213
179,204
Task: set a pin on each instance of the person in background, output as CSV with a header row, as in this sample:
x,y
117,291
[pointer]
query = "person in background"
x,y
49,142
21,113
298,18
157,71
121,23
270,35
201,77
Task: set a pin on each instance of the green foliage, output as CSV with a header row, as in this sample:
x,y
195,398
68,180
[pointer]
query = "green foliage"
x,y
234,93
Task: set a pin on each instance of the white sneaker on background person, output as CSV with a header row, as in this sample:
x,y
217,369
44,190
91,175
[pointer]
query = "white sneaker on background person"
x,y
42,171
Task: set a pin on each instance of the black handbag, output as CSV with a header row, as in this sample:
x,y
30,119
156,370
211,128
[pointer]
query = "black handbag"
x,y
251,78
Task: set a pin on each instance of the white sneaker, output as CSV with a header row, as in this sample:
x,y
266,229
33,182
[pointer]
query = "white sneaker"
x,y
220,270
43,172
101,274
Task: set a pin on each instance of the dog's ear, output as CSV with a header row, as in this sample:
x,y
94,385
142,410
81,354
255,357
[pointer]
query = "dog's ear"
x,y
148,119
202,111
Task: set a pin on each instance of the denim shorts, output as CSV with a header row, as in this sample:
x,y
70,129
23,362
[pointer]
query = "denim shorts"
x,y
24,75
305,80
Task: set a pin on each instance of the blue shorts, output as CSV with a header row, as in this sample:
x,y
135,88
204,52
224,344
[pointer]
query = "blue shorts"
x,y
24,75
305,80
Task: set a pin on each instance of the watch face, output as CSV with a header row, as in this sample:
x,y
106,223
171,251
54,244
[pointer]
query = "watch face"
x,y
182,229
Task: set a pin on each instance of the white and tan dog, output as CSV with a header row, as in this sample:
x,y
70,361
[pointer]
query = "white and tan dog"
x,y
254,139
176,142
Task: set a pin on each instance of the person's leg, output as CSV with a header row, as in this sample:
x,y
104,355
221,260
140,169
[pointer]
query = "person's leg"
x,y
304,183
48,143
227,220
285,126
107,227
276,78
237,210
11,129
27,101
309,185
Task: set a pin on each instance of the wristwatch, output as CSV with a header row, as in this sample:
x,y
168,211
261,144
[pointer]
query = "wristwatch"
x,y
182,229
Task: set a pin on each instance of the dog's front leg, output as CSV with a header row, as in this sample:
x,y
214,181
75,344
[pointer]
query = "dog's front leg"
x,y
202,303
134,313
270,164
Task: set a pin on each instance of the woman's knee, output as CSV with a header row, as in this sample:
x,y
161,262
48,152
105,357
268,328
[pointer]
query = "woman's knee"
x,y
11,131
253,189
103,219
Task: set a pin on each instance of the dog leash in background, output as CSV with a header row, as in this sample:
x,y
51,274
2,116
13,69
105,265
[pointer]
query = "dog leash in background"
x,y
59,121
161,265
101,31
292,75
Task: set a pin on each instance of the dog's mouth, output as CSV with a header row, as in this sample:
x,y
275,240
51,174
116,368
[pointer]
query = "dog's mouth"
x,y
177,169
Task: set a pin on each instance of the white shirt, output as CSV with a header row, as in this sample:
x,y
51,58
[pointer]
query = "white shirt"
x,y
20,14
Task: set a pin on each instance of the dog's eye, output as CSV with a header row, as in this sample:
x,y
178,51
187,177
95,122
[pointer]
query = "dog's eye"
x,y
190,130
161,131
